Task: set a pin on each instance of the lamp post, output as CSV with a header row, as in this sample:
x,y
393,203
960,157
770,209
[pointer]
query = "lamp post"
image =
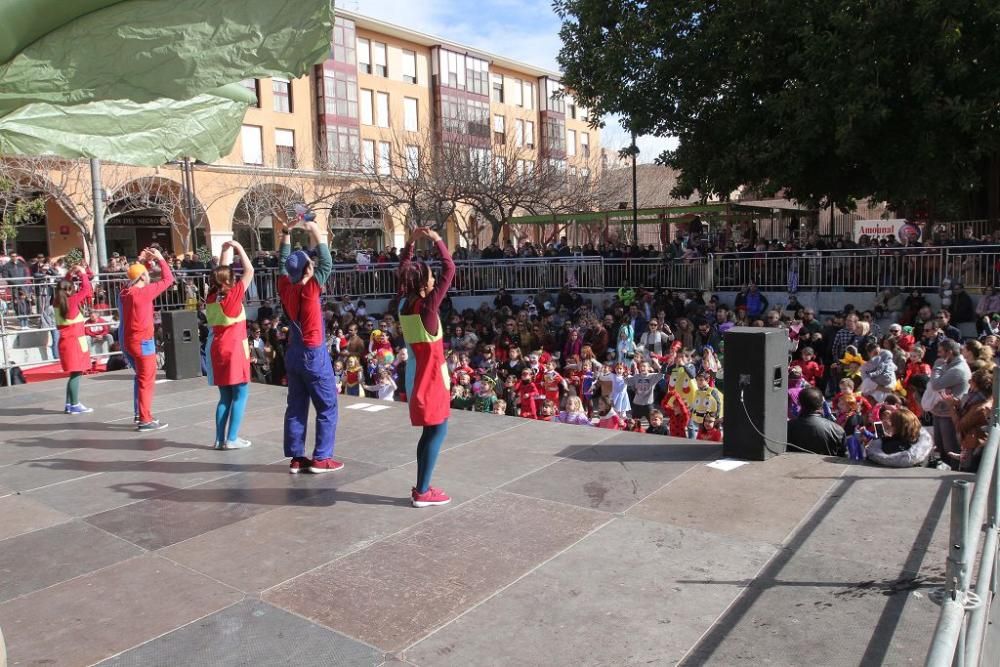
x,y
634,150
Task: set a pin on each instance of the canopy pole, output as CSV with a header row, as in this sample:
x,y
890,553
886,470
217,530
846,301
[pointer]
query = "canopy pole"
x,y
98,194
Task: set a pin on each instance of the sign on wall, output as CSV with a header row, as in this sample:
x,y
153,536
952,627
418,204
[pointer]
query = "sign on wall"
x,y
902,229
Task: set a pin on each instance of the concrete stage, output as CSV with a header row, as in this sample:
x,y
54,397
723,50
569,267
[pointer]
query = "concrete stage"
x,y
563,546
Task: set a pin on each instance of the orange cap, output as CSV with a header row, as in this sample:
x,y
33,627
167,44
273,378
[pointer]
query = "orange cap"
x,y
135,271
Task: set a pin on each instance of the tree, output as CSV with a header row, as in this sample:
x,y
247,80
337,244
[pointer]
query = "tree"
x,y
16,208
828,101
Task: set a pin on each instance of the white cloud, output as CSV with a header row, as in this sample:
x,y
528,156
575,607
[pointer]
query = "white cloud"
x,y
614,138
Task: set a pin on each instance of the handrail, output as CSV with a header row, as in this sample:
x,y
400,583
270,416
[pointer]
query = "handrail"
x,y
960,633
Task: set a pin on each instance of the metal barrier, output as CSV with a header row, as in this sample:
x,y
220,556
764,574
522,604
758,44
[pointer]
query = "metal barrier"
x,y
961,629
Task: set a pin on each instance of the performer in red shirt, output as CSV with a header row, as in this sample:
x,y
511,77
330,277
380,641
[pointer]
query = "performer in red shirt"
x,y
74,352
228,347
428,384
528,393
307,361
137,320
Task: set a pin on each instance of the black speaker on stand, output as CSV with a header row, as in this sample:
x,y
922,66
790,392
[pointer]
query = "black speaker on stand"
x,y
756,367
181,348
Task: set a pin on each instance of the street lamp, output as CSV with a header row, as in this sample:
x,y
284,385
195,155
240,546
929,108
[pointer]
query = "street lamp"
x,y
635,193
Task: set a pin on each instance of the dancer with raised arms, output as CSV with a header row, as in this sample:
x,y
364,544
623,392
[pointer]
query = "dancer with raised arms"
x,y
74,351
307,361
228,346
427,379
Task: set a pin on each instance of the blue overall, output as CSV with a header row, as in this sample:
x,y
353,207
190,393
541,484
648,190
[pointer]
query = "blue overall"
x,y
310,377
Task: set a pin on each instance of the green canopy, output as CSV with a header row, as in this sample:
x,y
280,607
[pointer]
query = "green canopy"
x,y
145,81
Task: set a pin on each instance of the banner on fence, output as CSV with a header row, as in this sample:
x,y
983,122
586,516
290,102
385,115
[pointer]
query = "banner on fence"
x,y
902,229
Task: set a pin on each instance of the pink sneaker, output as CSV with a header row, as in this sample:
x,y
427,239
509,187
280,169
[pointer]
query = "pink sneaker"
x,y
298,464
429,498
325,465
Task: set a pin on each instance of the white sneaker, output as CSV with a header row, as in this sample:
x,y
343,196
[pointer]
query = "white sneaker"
x,y
238,443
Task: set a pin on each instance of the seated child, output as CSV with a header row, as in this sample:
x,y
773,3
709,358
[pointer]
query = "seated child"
x,y
608,417
656,424
708,431
574,413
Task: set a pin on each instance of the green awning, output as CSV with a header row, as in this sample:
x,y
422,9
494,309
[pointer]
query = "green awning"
x,y
145,81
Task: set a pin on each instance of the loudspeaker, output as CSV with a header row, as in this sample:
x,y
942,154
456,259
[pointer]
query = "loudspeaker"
x,y
181,348
756,366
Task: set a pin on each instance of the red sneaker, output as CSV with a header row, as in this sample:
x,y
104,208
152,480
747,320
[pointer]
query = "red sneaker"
x,y
429,498
298,464
325,465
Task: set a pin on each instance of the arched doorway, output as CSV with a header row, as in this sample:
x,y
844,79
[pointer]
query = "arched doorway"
x,y
256,214
153,210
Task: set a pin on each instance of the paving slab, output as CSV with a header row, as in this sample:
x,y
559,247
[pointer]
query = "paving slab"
x,y
637,607
266,550
811,609
250,633
169,518
761,501
615,474
42,558
19,515
108,611
399,589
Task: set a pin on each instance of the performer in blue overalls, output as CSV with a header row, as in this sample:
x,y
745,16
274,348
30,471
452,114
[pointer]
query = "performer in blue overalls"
x,y
307,361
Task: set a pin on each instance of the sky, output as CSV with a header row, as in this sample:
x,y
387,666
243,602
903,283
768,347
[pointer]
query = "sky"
x,y
524,30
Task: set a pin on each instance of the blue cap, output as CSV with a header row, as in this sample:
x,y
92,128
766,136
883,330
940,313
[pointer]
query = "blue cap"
x,y
296,265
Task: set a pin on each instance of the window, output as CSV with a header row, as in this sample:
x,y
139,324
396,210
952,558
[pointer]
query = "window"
x,y
368,155
343,145
378,57
583,113
366,108
518,132
585,144
384,158
571,143
410,121
452,73
477,76
512,91
340,92
554,135
413,161
253,85
528,94
497,88
570,106
584,173
409,66
553,97
464,116
499,129
364,55
529,133
253,145
382,109
525,167
343,40
282,92
284,143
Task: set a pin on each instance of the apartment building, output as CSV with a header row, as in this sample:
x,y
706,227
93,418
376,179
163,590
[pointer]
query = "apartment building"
x,y
384,88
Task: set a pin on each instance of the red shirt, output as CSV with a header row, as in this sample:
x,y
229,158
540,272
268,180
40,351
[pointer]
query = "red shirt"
x,y
137,306
553,383
301,304
710,434
812,372
98,328
527,392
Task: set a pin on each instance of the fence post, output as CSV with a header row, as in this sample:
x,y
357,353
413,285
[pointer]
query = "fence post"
x,y
3,347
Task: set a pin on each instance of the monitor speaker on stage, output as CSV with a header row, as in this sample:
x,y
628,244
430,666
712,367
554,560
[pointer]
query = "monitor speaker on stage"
x,y
181,348
755,366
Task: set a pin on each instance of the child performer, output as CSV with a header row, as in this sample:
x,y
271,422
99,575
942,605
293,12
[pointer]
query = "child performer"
x,y
427,381
136,302
384,387
228,349
574,413
307,361
74,351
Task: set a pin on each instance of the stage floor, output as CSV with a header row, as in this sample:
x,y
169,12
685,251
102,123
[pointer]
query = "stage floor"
x,y
563,546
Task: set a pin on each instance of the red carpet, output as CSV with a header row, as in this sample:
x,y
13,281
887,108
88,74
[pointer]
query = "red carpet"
x,y
54,371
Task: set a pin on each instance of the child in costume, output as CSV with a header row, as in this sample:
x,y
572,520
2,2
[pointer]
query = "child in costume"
x,y
486,397
547,412
851,364
796,384
681,379
677,412
74,352
619,389
510,395
644,384
380,348
527,394
812,370
625,346
352,377
574,413
460,398
553,383
707,401
500,407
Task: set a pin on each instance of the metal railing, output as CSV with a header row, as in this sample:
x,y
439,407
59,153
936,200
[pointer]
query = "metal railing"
x,y
965,606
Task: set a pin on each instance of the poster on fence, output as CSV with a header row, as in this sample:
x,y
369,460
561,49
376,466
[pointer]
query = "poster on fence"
x,y
904,230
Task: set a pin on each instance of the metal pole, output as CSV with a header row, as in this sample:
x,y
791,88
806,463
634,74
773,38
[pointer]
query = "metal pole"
x,y
98,193
188,170
635,194
951,624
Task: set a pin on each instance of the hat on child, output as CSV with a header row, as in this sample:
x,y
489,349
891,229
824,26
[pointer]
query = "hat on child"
x,y
296,265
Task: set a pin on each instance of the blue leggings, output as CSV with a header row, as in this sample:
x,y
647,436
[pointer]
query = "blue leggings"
x,y
428,448
232,404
